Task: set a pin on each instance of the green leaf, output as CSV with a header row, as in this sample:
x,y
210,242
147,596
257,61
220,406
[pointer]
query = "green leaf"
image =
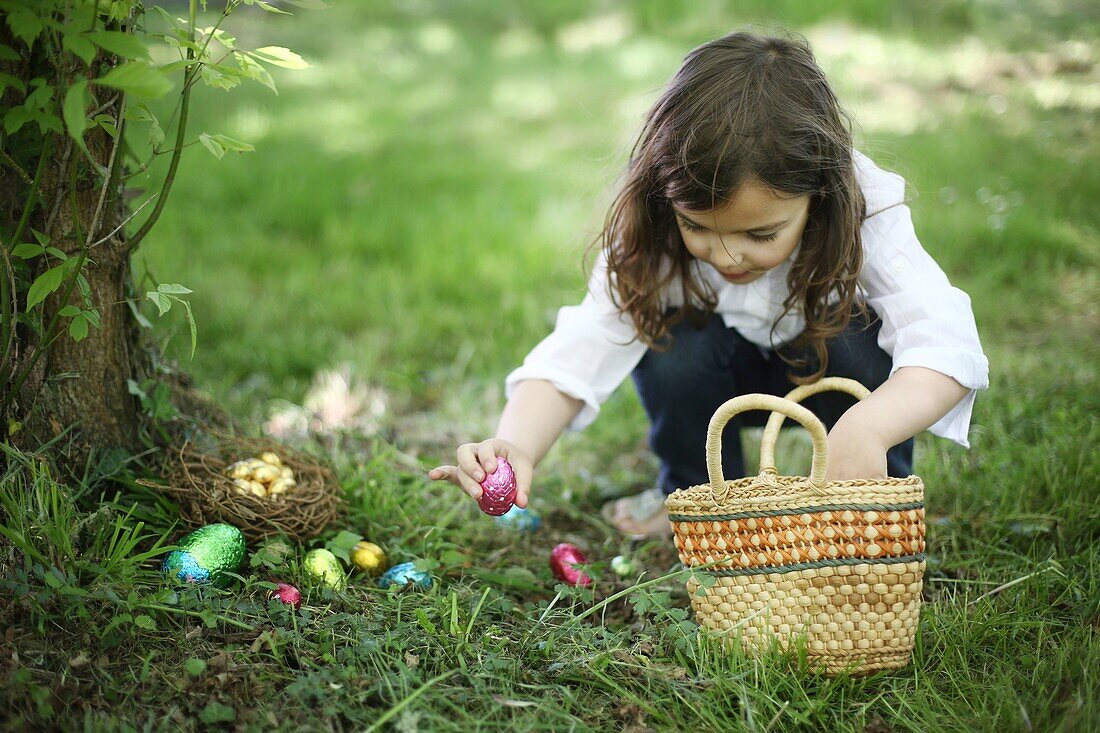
x,y
145,622
194,667
46,283
78,329
79,46
16,118
137,78
216,712
191,325
252,69
7,80
40,97
73,109
156,134
92,315
27,250
162,301
212,145
69,310
107,122
57,253
48,122
43,239
271,8
25,25
220,76
7,53
122,44
279,56
173,289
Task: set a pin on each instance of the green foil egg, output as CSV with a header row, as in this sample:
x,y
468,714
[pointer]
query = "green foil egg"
x,y
322,566
207,555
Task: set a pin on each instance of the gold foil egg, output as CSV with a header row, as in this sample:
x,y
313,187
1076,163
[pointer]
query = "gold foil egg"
x,y
271,458
240,469
266,473
369,558
257,488
280,485
242,486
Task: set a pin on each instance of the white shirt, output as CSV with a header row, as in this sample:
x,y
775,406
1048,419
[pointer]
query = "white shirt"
x,y
925,321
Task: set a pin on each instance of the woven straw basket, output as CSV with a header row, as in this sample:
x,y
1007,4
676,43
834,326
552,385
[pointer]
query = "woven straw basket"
x,y
839,563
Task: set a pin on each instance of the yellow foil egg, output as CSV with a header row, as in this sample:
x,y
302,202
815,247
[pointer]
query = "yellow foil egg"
x,y
369,558
288,472
257,488
242,486
240,469
271,458
280,485
266,473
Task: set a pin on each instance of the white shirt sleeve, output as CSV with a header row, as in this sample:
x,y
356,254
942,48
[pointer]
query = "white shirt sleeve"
x,y
591,350
925,321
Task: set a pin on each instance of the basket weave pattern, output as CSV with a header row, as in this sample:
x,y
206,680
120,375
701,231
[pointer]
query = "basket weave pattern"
x,y
838,563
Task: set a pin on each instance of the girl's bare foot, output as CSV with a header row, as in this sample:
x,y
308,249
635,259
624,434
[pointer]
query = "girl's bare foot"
x,y
641,516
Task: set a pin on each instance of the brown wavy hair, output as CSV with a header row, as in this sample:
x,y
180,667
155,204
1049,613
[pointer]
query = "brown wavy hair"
x,y
741,107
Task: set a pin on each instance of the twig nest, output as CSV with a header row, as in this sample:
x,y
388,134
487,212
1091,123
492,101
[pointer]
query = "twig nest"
x,y
252,483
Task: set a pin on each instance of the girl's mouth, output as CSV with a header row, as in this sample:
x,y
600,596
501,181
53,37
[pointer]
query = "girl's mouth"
x,y
734,277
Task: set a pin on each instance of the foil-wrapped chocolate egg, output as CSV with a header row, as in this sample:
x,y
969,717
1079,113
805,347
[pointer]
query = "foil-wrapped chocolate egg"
x,y
369,558
404,574
498,490
288,594
563,558
207,555
621,566
520,519
322,566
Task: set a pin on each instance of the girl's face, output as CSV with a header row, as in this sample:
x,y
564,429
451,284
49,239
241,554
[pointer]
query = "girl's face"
x,y
757,230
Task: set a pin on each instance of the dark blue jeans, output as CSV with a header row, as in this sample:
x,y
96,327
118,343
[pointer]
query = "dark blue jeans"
x,y
682,387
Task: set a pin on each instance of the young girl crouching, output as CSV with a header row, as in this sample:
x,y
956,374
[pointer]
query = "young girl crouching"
x,y
750,248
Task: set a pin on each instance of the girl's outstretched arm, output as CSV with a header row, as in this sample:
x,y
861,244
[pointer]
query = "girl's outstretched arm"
x,y
910,401
534,417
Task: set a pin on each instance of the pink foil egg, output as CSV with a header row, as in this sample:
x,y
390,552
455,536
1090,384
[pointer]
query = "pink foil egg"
x,y
498,490
288,594
562,559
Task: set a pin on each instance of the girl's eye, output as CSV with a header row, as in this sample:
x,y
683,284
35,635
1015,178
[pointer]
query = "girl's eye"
x,y
763,237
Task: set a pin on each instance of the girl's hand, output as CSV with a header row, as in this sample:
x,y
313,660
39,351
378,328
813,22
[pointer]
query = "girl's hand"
x,y
855,453
476,460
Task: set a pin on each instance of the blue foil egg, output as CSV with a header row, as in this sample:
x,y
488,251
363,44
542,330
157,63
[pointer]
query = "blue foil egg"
x,y
519,519
404,574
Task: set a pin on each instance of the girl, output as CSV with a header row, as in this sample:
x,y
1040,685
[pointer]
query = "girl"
x,y
750,248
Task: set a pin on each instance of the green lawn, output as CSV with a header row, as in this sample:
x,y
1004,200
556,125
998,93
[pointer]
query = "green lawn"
x,y
417,208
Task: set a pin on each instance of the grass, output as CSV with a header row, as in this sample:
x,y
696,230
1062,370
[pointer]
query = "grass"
x,y
417,208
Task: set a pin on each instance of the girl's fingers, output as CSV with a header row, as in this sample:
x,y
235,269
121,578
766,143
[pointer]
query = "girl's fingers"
x,y
486,455
467,461
523,483
457,477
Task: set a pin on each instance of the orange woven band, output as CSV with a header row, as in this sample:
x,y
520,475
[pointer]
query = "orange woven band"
x,y
747,543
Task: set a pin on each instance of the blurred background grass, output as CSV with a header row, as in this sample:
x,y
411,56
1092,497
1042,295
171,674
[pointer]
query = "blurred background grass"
x,y
421,197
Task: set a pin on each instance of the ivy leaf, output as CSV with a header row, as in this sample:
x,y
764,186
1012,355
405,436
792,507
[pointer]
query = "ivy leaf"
x,y
220,76
7,80
162,301
78,329
69,310
173,289
27,250
25,25
73,110
7,53
16,118
122,44
80,46
271,8
46,283
137,78
279,56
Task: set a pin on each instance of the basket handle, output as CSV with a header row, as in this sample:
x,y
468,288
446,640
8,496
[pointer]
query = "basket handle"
x,y
775,422
728,409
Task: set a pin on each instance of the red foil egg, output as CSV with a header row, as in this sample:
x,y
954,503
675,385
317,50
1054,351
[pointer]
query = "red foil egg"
x,y
498,490
288,594
563,558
